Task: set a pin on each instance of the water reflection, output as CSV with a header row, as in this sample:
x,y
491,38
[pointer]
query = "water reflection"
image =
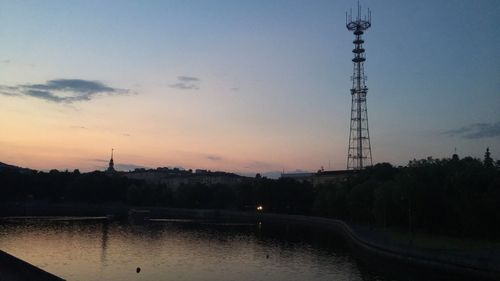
x,y
180,250
104,243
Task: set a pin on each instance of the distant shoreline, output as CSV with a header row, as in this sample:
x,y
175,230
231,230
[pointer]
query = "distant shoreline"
x,y
361,239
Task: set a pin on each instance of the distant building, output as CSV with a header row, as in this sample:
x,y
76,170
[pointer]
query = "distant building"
x,y
321,177
177,177
329,177
300,177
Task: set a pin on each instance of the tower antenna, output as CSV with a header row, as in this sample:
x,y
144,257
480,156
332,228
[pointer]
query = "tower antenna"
x,y
359,154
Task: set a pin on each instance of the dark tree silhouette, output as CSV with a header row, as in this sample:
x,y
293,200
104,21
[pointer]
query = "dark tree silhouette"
x,y
488,161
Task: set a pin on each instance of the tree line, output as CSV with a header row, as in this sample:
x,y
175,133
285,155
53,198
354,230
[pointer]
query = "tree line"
x,y
459,197
447,196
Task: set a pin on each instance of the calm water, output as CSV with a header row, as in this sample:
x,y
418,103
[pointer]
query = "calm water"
x,y
180,250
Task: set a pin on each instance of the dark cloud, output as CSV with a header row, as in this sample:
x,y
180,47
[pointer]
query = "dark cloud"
x,y
186,83
476,131
8,91
214,158
44,95
62,90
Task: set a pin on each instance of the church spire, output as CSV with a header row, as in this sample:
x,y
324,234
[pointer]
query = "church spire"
x,y
111,167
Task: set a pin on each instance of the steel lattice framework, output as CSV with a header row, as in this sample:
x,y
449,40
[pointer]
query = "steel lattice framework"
x,y
359,154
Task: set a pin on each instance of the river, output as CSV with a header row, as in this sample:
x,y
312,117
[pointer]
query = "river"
x,y
179,250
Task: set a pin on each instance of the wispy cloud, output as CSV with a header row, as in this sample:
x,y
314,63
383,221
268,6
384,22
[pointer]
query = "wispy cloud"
x,y
78,127
62,90
476,131
261,166
186,83
214,158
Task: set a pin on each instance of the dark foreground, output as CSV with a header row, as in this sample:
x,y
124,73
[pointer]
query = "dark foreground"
x,y
14,269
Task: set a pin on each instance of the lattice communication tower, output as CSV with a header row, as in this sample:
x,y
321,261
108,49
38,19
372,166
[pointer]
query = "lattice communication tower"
x,y
359,154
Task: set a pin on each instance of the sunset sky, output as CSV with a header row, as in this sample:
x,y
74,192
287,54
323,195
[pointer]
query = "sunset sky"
x,y
242,86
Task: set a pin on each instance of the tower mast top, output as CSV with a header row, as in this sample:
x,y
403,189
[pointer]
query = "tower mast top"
x,y
360,23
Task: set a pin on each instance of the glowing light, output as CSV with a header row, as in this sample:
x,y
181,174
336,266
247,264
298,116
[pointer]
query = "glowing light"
x,y
260,208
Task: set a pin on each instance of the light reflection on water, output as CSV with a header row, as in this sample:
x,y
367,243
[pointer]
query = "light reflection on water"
x,y
179,250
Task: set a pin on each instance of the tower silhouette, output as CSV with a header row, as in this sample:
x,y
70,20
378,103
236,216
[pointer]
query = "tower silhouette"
x,y
111,167
359,154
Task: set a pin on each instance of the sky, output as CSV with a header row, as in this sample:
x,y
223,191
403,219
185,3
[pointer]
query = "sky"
x,y
243,86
